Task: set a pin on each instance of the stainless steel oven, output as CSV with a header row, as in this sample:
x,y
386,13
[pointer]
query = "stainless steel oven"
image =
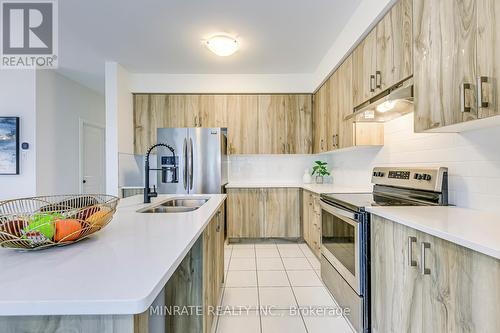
x,y
341,236
345,231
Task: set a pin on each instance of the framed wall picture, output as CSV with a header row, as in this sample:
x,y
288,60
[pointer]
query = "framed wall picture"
x,y
9,145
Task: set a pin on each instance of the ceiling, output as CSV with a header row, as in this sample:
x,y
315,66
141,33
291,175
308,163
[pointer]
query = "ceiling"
x,y
164,36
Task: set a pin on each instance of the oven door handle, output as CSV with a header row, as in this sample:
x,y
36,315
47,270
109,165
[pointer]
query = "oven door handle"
x,y
337,211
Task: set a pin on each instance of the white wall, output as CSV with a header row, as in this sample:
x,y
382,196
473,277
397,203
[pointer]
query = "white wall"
x,y
17,98
60,104
359,25
473,159
119,122
220,83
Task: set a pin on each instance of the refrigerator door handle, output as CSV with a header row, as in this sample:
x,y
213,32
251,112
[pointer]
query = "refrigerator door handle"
x,y
184,173
191,164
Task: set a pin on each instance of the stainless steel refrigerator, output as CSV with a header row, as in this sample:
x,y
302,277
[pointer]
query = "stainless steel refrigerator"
x,y
200,162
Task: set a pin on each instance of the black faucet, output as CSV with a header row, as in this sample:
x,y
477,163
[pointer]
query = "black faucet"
x,y
147,191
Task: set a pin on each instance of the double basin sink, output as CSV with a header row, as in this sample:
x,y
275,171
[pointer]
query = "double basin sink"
x,y
176,205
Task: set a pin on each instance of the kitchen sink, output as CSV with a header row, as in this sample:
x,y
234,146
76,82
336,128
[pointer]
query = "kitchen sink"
x,y
163,209
175,205
184,203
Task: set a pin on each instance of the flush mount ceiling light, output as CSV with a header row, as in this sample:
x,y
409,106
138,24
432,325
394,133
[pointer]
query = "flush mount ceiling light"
x,y
222,45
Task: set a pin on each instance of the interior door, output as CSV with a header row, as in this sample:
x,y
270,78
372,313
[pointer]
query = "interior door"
x,y
92,159
205,160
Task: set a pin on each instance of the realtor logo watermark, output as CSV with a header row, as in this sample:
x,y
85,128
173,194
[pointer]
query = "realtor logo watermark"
x,y
29,34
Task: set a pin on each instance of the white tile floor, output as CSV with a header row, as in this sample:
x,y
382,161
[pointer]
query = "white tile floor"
x,y
280,278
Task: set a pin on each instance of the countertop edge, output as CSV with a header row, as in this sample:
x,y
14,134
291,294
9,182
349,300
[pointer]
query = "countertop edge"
x,y
436,232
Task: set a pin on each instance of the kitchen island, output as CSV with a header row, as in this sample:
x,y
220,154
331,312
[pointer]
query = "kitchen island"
x,y
107,278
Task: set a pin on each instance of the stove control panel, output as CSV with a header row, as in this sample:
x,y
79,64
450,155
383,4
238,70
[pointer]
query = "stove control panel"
x,y
430,179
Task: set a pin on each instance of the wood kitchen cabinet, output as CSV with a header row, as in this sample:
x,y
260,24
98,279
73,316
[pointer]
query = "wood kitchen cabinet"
x,y
321,114
282,212
263,213
245,213
257,124
394,43
311,221
488,57
465,72
364,64
445,50
285,124
384,57
457,292
299,122
243,124
272,130
213,110
213,267
332,103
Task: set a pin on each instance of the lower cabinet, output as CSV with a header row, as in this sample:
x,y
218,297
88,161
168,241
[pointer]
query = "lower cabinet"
x,y
311,221
213,267
263,213
421,283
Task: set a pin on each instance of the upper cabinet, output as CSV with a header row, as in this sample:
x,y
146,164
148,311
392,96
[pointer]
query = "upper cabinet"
x,y
331,104
299,131
457,62
384,57
321,106
243,124
445,58
364,62
257,124
488,57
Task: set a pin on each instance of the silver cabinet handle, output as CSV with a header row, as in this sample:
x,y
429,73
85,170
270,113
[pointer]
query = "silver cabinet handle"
x,y
378,79
283,148
463,106
184,173
423,269
372,83
411,240
480,102
335,140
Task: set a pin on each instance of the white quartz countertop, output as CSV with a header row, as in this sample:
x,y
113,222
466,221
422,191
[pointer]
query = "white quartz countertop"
x,y
315,188
119,270
476,230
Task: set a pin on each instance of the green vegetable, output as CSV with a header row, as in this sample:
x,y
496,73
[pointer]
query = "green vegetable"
x,y
43,223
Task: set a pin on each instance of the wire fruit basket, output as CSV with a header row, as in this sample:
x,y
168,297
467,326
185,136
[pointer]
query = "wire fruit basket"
x,y
42,222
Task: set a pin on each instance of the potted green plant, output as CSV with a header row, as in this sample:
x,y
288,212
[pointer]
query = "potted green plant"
x,y
320,170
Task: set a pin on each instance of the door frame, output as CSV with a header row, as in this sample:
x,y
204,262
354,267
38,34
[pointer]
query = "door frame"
x,y
81,123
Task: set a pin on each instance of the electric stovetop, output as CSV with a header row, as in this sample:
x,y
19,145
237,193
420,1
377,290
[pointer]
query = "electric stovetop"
x,y
359,201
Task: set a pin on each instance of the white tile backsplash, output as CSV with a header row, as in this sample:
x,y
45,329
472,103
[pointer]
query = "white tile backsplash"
x,y
270,168
473,159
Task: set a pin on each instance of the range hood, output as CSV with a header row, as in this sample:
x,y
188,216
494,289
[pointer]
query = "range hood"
x,y
390,104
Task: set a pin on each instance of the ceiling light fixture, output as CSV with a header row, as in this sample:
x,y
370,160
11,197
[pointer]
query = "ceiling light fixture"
x,y
222,45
